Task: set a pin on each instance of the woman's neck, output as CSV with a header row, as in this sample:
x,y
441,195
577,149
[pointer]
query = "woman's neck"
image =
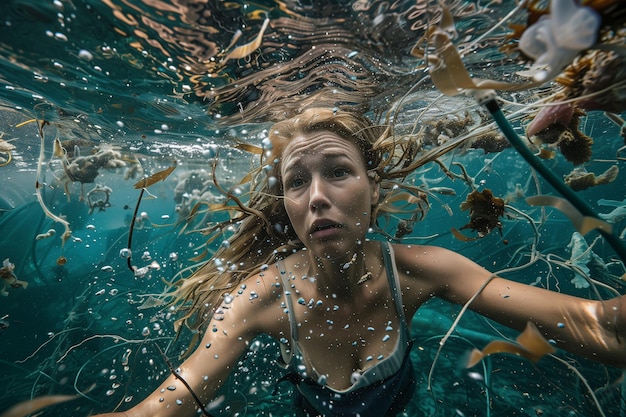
x,y
341,277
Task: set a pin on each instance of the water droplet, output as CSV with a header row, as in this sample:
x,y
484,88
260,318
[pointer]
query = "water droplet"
x,y
354,378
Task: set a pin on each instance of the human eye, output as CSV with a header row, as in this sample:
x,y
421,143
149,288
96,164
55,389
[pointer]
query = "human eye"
x,y
340,172
296,182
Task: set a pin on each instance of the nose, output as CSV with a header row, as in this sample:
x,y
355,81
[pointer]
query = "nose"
x,y
318,195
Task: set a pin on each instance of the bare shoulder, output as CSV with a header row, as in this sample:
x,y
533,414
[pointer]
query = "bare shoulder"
x,y
435,268
257,301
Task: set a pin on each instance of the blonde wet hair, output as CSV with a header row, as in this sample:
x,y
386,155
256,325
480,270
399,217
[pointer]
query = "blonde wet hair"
x,y
263,231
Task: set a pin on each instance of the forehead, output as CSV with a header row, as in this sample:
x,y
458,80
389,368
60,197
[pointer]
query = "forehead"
x,y
323,142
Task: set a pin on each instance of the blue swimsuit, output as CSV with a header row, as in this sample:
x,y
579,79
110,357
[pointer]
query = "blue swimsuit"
x,y
381,390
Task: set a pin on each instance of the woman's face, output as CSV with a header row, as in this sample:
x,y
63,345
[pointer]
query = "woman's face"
x,y
328,195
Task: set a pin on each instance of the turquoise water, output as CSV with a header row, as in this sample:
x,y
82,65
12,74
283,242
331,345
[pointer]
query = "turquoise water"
x,y
141,85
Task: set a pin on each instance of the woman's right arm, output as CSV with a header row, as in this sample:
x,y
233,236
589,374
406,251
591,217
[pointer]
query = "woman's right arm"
x,y
256,310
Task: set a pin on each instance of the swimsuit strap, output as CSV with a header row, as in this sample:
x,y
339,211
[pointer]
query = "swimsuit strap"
x,y
288,353
394,283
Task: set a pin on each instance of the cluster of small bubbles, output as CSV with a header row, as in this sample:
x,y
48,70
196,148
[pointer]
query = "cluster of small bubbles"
x,y
125,253
146,256
253,295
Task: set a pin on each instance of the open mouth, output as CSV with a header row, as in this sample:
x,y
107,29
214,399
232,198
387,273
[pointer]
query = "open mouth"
x,y
323,227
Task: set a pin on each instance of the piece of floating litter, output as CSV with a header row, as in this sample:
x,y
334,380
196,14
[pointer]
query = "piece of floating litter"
x,y
46,235
530,345
30,406
583,224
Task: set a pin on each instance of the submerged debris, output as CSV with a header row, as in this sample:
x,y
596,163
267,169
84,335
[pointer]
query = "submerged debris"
x,y
9,279
562,131
485,211
530,345
580,179
5,148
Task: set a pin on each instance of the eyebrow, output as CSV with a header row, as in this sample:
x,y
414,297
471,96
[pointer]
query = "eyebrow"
x,y
327,155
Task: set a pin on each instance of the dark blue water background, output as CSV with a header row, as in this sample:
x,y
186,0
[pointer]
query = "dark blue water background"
x,y
136,76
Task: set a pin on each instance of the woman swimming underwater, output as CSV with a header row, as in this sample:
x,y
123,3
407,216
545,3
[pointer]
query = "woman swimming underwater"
x,y
300,269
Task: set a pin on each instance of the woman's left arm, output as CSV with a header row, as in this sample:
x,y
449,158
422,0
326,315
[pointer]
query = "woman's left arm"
x,y
593,329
